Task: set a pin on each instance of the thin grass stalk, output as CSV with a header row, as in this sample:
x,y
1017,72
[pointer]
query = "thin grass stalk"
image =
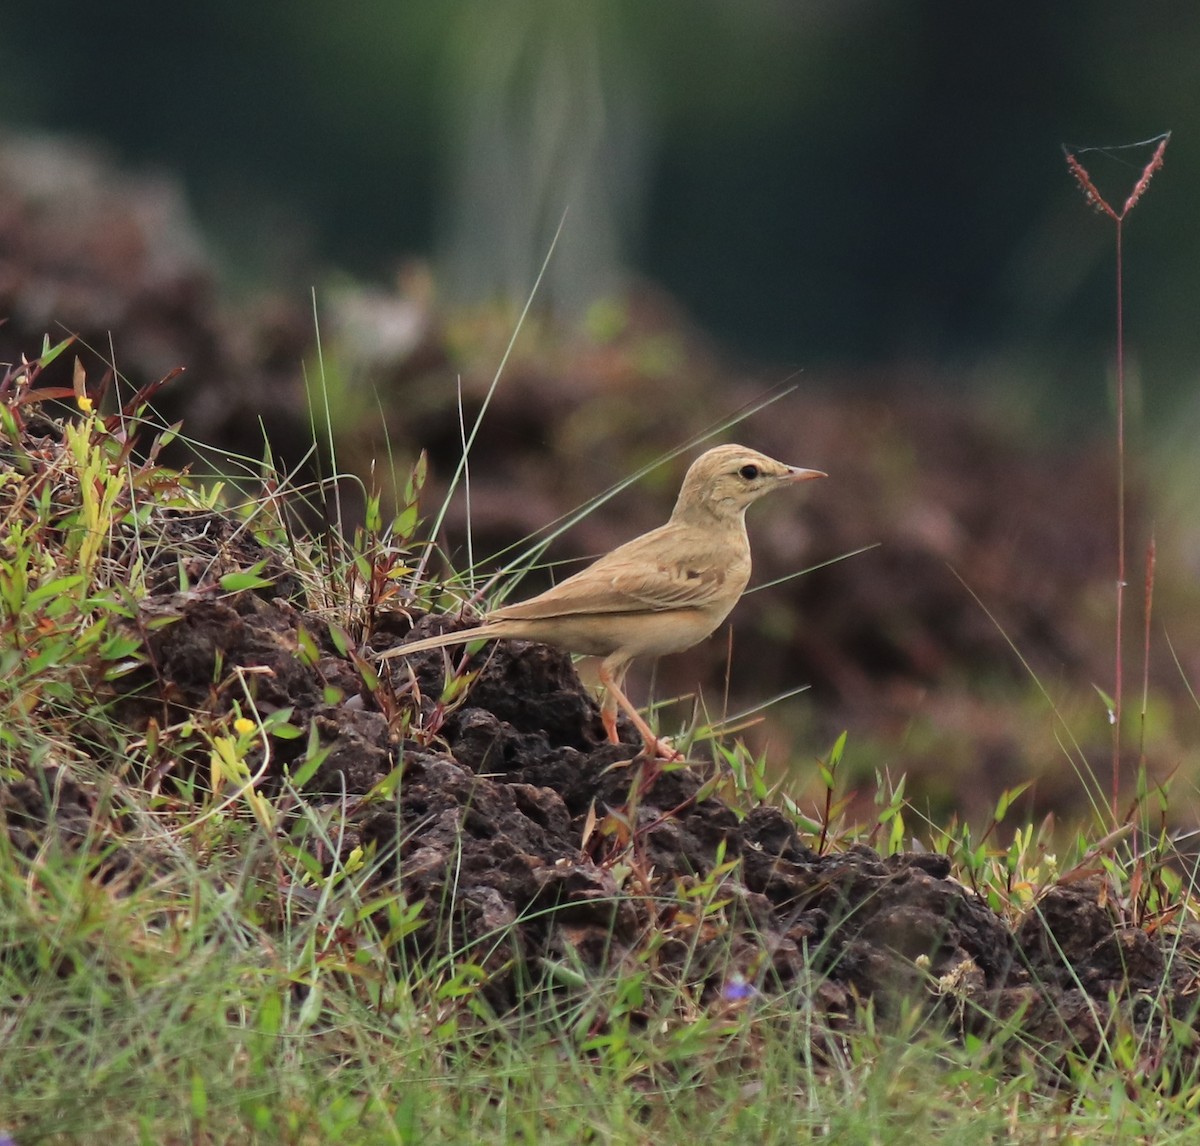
x,y
1098,202
1118,650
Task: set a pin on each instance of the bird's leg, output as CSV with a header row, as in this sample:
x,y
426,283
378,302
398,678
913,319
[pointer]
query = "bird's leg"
x,y
613,696
608,716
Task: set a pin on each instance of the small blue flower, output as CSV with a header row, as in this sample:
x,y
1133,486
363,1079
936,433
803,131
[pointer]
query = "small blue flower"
x,y
737,988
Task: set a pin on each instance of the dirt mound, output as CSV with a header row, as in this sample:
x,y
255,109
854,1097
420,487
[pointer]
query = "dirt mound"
x,y
512,825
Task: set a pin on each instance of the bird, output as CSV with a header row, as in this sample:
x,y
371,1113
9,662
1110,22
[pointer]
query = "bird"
x,y
660,593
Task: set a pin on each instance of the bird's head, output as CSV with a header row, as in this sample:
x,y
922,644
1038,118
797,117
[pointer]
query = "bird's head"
x,y
723,481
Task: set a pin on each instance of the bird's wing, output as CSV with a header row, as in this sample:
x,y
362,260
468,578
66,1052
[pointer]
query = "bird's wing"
x,y
663,570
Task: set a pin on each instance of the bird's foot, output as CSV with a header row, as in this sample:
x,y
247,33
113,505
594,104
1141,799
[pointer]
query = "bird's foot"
x,y
653,748
656,749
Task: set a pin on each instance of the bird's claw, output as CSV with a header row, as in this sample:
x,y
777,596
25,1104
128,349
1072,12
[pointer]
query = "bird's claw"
x,y
657,749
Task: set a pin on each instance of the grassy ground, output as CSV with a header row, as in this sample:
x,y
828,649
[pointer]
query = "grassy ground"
x,y
185,957
220,1002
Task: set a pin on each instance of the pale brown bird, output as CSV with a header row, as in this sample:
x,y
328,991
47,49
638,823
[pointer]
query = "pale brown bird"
x,y
660,593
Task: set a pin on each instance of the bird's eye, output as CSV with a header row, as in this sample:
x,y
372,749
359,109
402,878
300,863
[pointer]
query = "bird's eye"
x,y
748,472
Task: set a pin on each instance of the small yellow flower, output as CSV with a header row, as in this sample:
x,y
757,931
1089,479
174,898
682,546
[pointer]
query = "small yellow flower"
x,y
243,726
84,403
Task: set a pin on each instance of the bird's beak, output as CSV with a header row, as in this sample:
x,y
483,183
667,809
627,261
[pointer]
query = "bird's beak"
x,y
797,474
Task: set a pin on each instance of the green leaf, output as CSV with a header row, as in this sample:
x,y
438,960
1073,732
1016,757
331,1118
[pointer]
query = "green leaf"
x,y
50,353
270,1012
286,731
118,669
309,862
1109,703
416,479
168,435
835,753
1006,799
404,524
55,589
386,788
341,640
309,653
237,582
314,757
374,519
199,1097
119,647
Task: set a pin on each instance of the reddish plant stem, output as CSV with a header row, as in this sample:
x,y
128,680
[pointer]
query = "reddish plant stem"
x,y
1093,196
1118,668
1147,609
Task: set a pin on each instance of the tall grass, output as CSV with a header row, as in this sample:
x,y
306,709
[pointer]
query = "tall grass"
x,y
1117,216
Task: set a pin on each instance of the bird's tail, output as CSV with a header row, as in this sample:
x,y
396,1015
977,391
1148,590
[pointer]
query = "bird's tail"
x,y
460,637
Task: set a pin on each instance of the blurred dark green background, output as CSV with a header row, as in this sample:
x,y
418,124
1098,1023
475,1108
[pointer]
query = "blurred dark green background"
x,y
853,186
